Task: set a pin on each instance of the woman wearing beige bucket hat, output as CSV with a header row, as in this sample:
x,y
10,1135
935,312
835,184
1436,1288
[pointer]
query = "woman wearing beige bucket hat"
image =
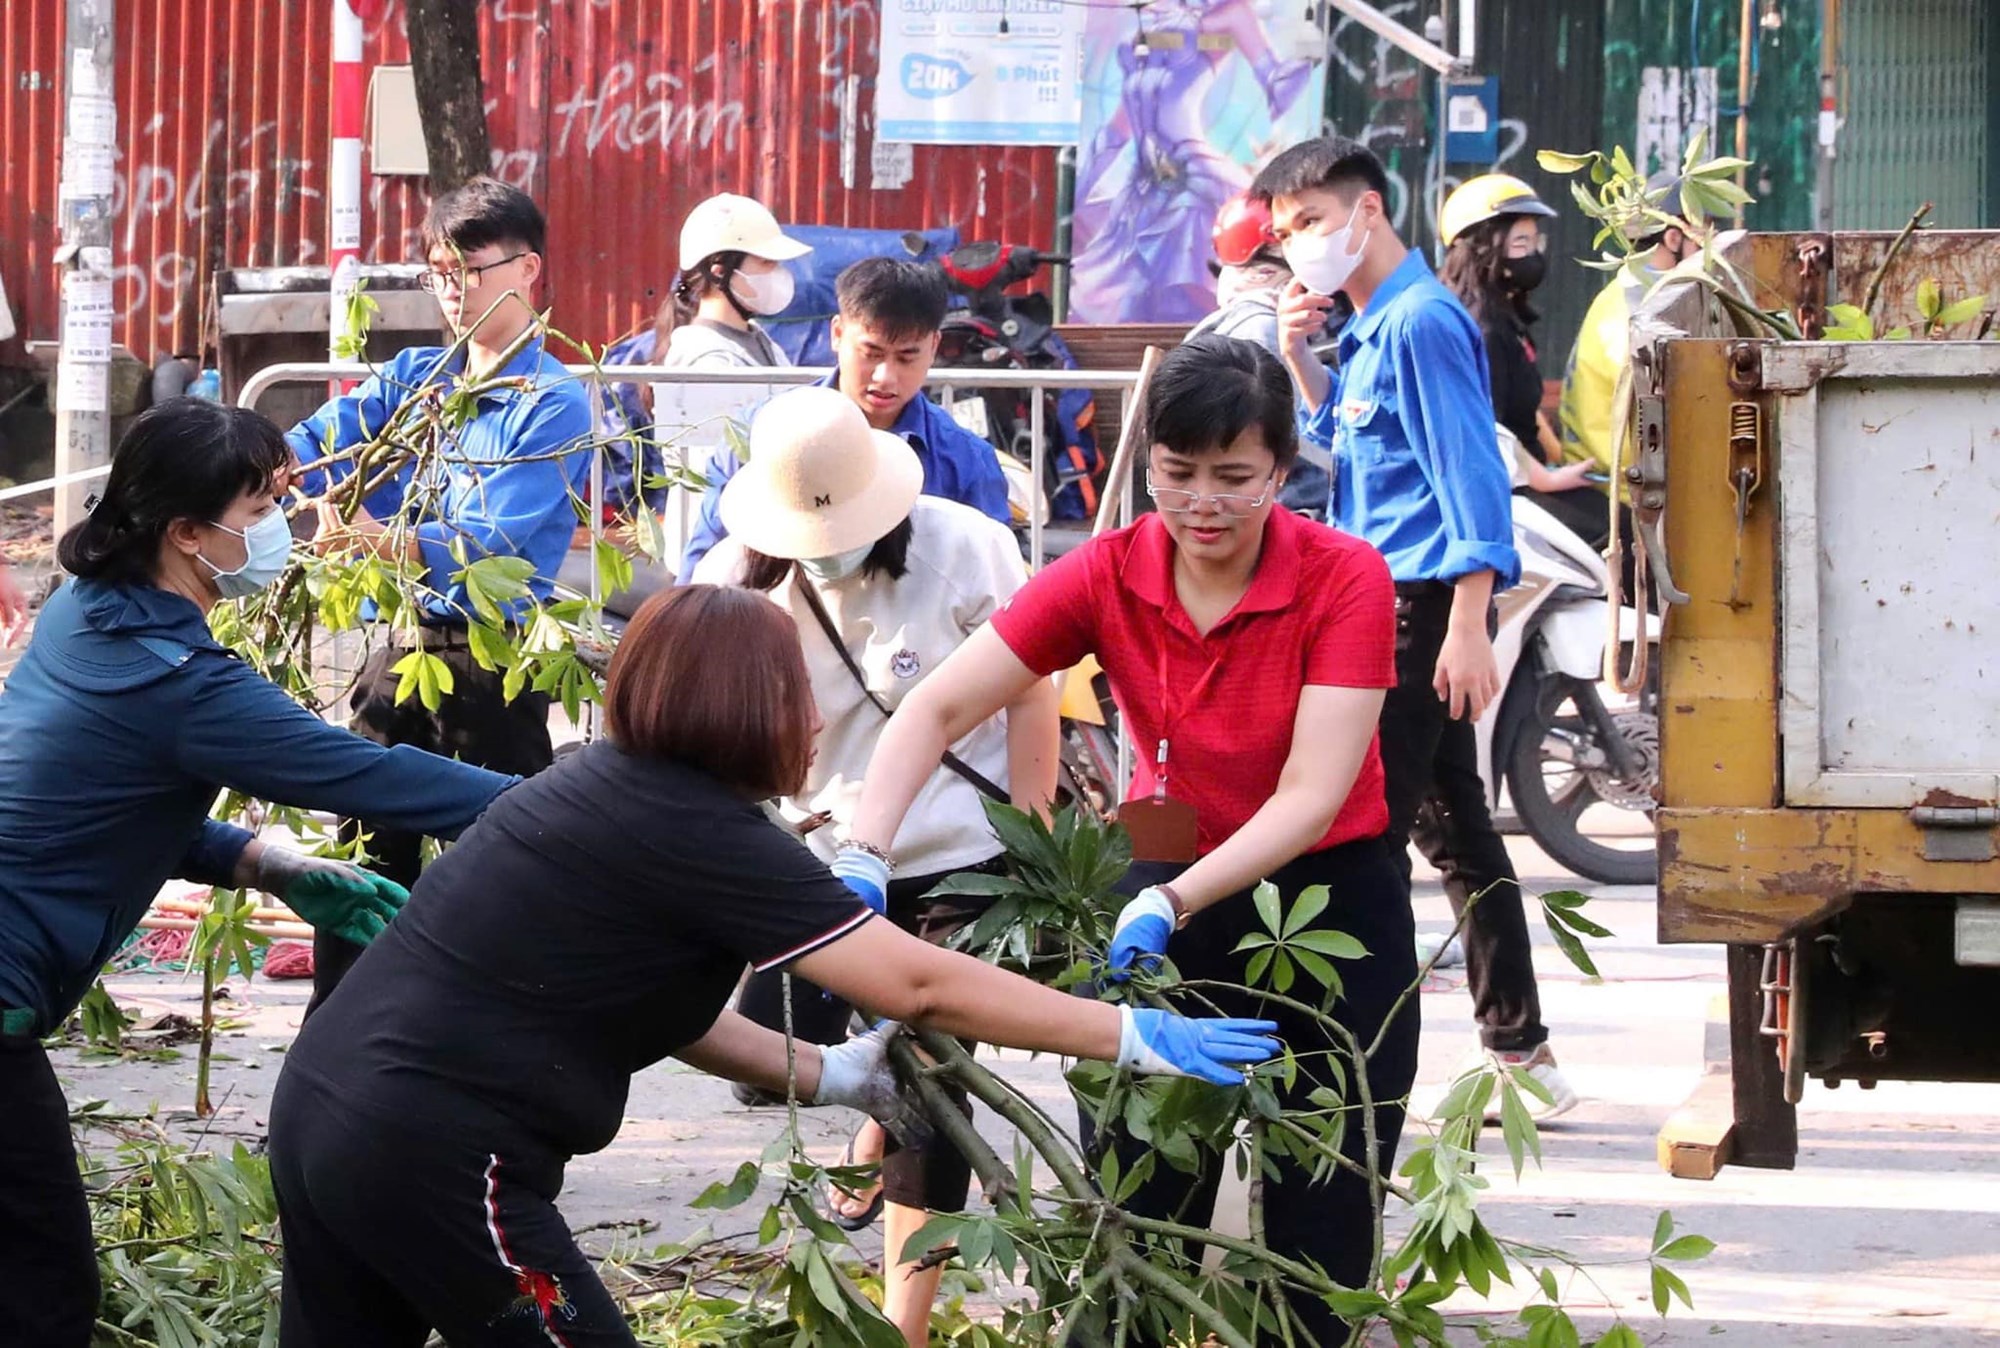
x,y
883,584
732,273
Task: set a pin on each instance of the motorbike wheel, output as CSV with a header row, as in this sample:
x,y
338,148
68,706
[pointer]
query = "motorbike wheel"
x,y
1557,772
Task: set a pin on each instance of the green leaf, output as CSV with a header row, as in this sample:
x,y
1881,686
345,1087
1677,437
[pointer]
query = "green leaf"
x,y
769,1229
1572,948
1317,967
1310,903
1558,161
1259,962
1899,333
1517,1127
1687,1248
1960,311
1267,901
1930,297
940,1231
614,568
1620,1335
1354,1305
1675,1285
1663,1230
1546,1278
1333,944
732,1192
1282,972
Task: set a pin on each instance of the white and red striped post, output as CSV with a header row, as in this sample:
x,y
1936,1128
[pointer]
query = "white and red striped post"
x,y
343,206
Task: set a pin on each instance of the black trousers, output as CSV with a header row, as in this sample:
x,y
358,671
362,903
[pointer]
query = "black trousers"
x,y
49,1294
1330,1223
474,723
1436,800
936,1177
391,1231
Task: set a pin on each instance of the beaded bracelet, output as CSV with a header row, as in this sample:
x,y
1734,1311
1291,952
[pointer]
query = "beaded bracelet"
x,y
880,854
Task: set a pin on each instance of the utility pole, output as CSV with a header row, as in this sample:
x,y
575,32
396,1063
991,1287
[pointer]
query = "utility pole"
x,y
89,158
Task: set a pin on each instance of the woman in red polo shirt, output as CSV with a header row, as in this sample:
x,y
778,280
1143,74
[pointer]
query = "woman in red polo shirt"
x,y
1248,650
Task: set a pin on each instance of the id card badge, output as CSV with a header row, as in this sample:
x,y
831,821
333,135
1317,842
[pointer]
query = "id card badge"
x,y
1162,828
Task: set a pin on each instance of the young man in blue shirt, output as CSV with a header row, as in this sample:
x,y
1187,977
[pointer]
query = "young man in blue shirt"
x,y
502,488
1418,473
884,340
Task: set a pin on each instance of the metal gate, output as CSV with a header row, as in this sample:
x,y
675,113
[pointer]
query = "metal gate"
x,y
1918,80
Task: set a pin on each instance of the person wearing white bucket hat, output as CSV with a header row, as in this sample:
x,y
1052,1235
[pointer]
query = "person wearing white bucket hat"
x,y
732,258
883,584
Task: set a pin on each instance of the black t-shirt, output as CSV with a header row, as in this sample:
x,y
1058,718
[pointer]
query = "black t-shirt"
x,y
1514,376
595,920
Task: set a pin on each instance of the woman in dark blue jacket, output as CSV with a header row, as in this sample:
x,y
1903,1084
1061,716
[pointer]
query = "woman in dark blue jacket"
x,y
118,728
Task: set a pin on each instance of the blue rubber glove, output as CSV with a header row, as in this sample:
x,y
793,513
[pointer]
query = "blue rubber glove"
x,y
866,874
1210,1048
337,898
1140,937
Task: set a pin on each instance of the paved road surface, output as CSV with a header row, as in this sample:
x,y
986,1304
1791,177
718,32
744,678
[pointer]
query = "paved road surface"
x,y
1889,1231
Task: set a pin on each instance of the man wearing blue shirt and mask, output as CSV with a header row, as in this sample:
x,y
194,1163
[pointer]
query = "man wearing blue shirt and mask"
x,y
502,487
1418,473
884,339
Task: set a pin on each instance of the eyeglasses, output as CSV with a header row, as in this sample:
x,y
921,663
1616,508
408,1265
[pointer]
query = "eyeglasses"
x,y
463,279
1178,501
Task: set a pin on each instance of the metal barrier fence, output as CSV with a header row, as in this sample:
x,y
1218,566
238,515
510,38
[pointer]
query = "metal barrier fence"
x,y
1035,382
952,380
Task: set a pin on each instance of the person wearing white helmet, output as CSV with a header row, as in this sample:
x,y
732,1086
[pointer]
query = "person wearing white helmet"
x,y
732,273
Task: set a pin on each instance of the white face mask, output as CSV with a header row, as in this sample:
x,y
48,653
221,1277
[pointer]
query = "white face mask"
x,y
1322,261
837,567
763,293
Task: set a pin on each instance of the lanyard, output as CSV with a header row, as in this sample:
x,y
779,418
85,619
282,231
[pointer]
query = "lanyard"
x,y
1171,714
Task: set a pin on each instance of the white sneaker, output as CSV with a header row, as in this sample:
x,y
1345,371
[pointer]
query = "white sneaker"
x,y
1540,1063
1430,943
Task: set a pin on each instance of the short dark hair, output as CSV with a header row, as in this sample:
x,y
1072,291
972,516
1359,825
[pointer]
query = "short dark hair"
x,y
897,298
485,211
1325,162
182,459
712,677
1209,390
889,557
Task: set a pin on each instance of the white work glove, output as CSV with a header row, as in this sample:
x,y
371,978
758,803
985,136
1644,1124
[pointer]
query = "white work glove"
x,y
864,873
858,1074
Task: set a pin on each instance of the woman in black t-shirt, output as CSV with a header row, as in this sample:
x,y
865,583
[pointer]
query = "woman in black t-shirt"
x,y
594,921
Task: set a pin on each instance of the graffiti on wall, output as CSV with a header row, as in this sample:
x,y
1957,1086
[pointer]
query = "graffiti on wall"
x,y
1172,127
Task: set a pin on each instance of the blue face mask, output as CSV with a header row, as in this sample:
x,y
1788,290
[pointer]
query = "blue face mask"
x,y
267,545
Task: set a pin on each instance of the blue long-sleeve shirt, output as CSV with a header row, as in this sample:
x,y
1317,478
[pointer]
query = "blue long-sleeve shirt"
x,y
504,488
958,465
1416,465
119,726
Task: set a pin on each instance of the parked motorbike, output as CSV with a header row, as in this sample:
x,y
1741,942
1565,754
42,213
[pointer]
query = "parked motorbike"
x,y
996,330
1562,750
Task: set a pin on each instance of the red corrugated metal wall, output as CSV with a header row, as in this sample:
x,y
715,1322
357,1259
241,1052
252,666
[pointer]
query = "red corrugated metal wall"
x,y
618,115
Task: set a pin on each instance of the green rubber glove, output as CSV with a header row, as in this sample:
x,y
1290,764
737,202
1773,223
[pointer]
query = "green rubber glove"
x,y
336,898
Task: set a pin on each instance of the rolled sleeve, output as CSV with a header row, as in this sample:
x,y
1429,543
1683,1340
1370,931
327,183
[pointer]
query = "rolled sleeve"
x,y
1317,426
1442,397
706,530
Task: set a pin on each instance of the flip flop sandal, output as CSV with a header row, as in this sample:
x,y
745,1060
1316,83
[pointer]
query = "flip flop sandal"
x,y
864,1219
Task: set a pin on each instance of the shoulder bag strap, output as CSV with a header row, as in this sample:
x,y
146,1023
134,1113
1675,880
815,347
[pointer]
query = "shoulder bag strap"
x,y
979,780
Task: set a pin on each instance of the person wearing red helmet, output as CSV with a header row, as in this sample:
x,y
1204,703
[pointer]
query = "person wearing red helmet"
x,y
1250,275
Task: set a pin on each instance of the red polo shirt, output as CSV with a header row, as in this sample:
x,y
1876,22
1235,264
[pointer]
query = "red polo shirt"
x,y
1320,609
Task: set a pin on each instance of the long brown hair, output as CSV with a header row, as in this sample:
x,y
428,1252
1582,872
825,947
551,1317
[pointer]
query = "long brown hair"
x,y
1474,266
712,677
